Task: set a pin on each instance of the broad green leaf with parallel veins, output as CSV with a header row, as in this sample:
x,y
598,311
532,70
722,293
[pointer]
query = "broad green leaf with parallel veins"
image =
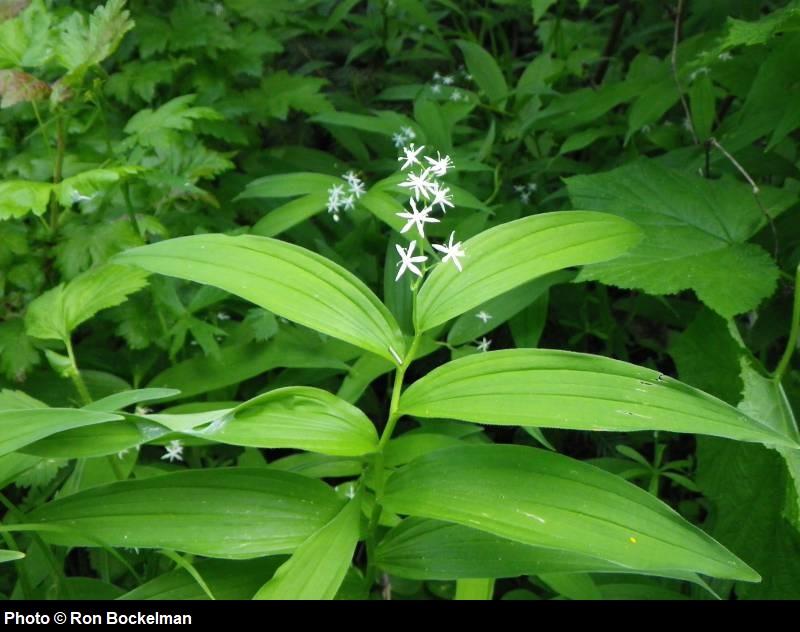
x,y
563,389
288,280
695,233
296,417
10,556
485,72
289,185
229,513
21,427
318,566
503,257
545,499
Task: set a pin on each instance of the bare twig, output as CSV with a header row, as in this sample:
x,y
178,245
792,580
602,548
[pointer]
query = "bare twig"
x,y
612,43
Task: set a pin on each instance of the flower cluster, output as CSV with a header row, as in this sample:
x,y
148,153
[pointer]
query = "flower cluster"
x,y
340,199
440,81
403,137
427,194
525,191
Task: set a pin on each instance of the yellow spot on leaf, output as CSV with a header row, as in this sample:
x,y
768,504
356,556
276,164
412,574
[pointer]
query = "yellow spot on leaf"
x,y
632,540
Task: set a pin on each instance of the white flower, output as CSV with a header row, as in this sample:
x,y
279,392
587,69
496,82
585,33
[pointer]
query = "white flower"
x,y
439,165
437,77
484,344
420,184
399,139
519,188
451,251
483,316
351,178
223,316
418,217
442,197
725,56
456,95
407,261
349,202
447,80
174,451
436,88
408,132
357,188
532,186
525,197
410,157
142,410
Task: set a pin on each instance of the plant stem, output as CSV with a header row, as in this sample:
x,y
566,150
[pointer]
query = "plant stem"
x,y
378,467
75,374
58,167
791,344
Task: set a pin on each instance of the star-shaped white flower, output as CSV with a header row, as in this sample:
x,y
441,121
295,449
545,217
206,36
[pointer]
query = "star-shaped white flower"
x,y
483,316
174,451
442,197
436,88
451,251
410,156
399,139
484,344
349,202
350,177
408,132
408,261
439,165
418,218
456,95
448,80
420,184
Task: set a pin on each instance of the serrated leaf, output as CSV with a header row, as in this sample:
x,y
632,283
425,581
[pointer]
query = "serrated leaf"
x,y
285,279
230,513
318,566
541,498
20,87
695,233
20,197
506,256
17,353
25,39
562,389
57,312
148,127
298,417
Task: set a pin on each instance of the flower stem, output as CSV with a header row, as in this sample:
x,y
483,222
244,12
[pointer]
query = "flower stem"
x,y
77,378
378,469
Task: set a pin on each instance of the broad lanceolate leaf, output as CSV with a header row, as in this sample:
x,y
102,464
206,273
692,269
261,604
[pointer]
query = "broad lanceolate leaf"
x,y
296,417
229,513
503,257
10,556
485,72
57,312
288,280
118,401
695,233
289,185
545,499
430,549
562,389
21,427
318,566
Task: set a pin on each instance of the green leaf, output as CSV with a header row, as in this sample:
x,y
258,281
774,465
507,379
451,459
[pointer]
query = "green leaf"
x,y
118,401
10,556
562,389
87,184
20,87
485,72
298,417
227,579
289,185
17,353
432,550
26,39
57,312
21,427
503,257
152,127
701,99
83,45
227,512
290,214
20,197
285,279
318,566
544,499
695,233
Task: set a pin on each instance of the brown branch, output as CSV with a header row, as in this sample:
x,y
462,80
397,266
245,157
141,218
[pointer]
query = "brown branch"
x,y
612,43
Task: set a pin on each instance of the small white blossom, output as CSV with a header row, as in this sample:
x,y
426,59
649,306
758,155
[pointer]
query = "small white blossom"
x,y
725,56
142,410
442,197
519,188
418,218
351,178
409,158
408,261
436,88
349,202
420,184
399,139
698,72
357,189
525,197
457,95
451,251
483,316
447,80
439,165
174,451
484,344
408,132
437,77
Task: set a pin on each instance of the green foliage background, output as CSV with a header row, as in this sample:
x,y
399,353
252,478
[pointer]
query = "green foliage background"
x,y
123,124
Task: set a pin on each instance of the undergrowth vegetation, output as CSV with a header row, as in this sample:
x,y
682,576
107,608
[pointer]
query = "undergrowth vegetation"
x,y
399,299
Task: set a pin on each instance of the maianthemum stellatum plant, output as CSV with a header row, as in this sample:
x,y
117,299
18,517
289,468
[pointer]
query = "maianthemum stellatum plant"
x,y
426,506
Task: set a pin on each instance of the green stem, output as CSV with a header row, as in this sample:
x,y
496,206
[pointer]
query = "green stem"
x,y
791,344
75,374
58,168
379,465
